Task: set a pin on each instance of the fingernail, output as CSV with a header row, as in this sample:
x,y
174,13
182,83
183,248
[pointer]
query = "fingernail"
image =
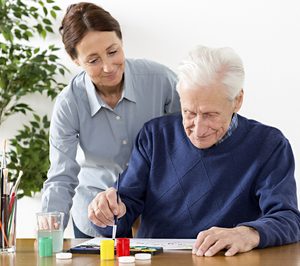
x,y
115,212
199,253
194,251
208,253
228,253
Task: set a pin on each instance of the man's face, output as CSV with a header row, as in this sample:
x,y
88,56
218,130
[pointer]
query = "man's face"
x,y
207,113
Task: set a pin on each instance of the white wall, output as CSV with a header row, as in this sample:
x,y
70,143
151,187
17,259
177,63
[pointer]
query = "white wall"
x,y
264,33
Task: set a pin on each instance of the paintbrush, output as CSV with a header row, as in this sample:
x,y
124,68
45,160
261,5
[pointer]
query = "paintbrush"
x,y
114,229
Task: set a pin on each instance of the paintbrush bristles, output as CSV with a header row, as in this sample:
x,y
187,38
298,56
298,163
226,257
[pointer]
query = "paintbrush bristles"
x,y
16,185
5,181
3,165
5,173
4,145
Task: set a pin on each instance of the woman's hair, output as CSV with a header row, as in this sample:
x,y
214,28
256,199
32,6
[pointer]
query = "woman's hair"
x,y
84,17
204,66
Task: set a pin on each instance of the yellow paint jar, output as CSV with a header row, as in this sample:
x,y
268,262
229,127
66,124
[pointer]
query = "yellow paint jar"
x,y
107,249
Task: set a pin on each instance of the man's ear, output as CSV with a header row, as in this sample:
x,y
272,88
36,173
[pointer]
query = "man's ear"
x,y
238,101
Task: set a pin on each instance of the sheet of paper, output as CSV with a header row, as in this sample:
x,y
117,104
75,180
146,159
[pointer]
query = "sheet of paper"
x,y
165,243
170,244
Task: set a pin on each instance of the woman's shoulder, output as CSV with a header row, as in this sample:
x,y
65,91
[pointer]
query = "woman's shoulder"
x,y
74,92
146,66
75,85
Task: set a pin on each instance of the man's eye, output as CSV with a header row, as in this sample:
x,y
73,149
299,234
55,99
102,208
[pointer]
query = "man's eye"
x,y
210,115
189,113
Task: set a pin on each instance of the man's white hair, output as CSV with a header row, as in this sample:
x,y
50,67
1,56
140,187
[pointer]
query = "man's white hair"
x,y
204,66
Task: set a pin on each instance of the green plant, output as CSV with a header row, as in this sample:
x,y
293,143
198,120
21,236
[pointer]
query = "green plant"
x,y
30,155
26,69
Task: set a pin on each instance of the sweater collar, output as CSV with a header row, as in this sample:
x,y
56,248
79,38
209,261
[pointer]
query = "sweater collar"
x,y
232,127
183,148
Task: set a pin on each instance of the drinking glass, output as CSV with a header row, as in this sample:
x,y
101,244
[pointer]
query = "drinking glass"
x,y
50,224
8,218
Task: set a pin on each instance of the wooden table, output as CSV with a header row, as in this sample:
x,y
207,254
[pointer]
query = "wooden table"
x,y
26,255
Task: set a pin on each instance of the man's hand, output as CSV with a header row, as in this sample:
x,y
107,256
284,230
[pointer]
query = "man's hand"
x,y
235,240
104,206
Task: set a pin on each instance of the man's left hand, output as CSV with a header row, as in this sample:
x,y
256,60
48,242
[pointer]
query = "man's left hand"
x,y
234,240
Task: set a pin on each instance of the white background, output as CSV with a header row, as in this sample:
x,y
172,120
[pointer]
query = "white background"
x,y
265,33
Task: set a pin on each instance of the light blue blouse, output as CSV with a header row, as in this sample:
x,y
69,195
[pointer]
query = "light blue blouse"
x,y
90,143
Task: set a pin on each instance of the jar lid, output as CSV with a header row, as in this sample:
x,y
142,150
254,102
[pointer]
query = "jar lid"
x,y
142,256
126,259
64,256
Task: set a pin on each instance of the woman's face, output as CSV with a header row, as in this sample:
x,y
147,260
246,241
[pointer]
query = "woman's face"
x,y
100,54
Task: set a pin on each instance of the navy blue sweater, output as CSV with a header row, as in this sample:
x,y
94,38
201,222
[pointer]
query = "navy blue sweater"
x,y
180,190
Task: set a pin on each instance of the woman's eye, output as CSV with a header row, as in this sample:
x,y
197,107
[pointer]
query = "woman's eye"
x,y
93,61
112,52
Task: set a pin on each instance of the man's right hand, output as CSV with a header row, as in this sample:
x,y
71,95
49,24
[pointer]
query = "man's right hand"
x,y
104,206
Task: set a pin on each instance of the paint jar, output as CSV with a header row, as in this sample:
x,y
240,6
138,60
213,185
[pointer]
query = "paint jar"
x,y
123,247
107,249
45,246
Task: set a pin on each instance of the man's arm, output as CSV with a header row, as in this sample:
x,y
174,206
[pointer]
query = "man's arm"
x,y
279,224
133,184
277,197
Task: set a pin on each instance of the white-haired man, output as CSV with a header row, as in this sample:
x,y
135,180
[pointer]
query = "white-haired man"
x,y
207,173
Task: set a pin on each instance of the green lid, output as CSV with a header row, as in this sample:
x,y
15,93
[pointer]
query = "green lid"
x,y
45,246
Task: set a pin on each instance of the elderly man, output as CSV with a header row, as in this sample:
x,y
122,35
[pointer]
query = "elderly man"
x,y
207,173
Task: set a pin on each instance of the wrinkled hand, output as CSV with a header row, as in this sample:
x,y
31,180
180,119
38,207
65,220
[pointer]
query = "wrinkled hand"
x,y
104,206
235,240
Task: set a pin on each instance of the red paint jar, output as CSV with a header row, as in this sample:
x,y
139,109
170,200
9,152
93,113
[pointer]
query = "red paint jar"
x,y
123,247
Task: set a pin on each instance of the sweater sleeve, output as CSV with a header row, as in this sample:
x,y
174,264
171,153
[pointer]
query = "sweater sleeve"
x,y
275,190
133,186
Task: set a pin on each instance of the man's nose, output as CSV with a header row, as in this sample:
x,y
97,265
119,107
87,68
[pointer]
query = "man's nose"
x,y
200,125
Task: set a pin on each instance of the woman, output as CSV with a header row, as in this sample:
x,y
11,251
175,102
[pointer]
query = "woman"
x,y
100,111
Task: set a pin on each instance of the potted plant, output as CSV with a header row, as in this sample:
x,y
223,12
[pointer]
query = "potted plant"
x,y
26,69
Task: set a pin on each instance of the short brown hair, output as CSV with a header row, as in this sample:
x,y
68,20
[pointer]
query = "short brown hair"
x,y
84,17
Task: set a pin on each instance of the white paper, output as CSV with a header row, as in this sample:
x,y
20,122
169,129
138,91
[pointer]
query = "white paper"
x,y
167,244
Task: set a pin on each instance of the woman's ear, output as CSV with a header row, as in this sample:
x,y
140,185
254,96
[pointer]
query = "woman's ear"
x,y
76,62
238,101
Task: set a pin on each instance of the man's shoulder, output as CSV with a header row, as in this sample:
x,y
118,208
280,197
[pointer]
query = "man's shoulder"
x,y
166,123
261,131
162,132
